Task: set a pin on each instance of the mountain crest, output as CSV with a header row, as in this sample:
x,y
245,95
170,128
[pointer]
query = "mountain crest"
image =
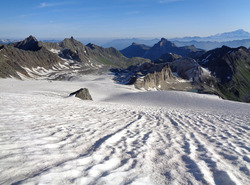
x,y
164,43
135,50
30,43
31,39
71,43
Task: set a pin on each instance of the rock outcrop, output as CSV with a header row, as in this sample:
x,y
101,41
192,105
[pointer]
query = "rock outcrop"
x,y
82,93
189,69
157,80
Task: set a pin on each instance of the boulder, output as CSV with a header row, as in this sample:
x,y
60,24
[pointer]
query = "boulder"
x,y
82,93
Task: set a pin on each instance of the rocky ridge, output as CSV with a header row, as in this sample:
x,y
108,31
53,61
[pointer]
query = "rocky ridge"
x,y
231,68
34,59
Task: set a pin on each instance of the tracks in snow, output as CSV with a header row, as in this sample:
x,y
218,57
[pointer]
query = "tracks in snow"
x,y
98,143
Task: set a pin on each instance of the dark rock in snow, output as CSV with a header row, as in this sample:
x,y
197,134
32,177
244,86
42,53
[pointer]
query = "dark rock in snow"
x,y
82,93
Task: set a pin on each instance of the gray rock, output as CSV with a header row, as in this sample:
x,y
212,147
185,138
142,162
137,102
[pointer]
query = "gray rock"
x,y
189,69
156,79
82,93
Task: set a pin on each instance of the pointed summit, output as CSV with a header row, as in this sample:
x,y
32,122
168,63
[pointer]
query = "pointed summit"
x,y
165,43
135,50
71,43
31,39
162,47
30,43
163,39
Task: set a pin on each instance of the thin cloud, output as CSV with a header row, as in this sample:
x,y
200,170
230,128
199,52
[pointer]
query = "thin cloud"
x,y
169,1
45,5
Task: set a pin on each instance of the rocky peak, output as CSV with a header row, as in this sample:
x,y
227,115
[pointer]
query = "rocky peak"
x,y
165,43
71,43
31,39
135,50
160,48
30,43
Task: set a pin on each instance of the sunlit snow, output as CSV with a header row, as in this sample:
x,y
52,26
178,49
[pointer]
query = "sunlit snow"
x,y
124,136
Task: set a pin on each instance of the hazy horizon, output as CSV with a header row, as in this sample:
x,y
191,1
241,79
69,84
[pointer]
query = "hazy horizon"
x,y
108,38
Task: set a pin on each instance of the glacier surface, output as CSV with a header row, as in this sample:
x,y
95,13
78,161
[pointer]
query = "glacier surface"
x,y
124,136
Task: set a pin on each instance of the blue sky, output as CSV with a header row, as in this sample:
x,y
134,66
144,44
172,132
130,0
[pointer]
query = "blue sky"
x,y
54,19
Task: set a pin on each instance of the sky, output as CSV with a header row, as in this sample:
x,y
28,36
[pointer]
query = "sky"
x,y
54,19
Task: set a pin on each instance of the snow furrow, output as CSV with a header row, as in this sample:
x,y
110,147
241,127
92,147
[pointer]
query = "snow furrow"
x,y
46,138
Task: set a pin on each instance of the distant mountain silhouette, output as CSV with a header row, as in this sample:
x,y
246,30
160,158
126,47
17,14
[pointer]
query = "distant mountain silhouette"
x,y
135,50
208,45
235,38
239,34
164,46
120,44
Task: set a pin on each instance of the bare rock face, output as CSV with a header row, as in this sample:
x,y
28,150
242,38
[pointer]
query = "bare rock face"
x,y
82,93
189,69
158,80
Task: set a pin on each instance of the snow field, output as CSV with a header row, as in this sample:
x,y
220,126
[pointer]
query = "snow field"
x,y
124,136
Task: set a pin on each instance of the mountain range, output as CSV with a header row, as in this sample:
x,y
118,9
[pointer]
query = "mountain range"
x,y
239,34
31,57
223,71
159,49
208,45
235,38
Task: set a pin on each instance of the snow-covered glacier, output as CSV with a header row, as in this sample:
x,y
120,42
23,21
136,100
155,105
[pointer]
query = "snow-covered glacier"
x,y
124,136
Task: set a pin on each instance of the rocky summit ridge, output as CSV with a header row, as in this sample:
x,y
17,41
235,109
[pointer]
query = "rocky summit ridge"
x,y
31,58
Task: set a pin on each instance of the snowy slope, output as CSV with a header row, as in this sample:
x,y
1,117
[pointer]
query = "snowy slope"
x,y
124,136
